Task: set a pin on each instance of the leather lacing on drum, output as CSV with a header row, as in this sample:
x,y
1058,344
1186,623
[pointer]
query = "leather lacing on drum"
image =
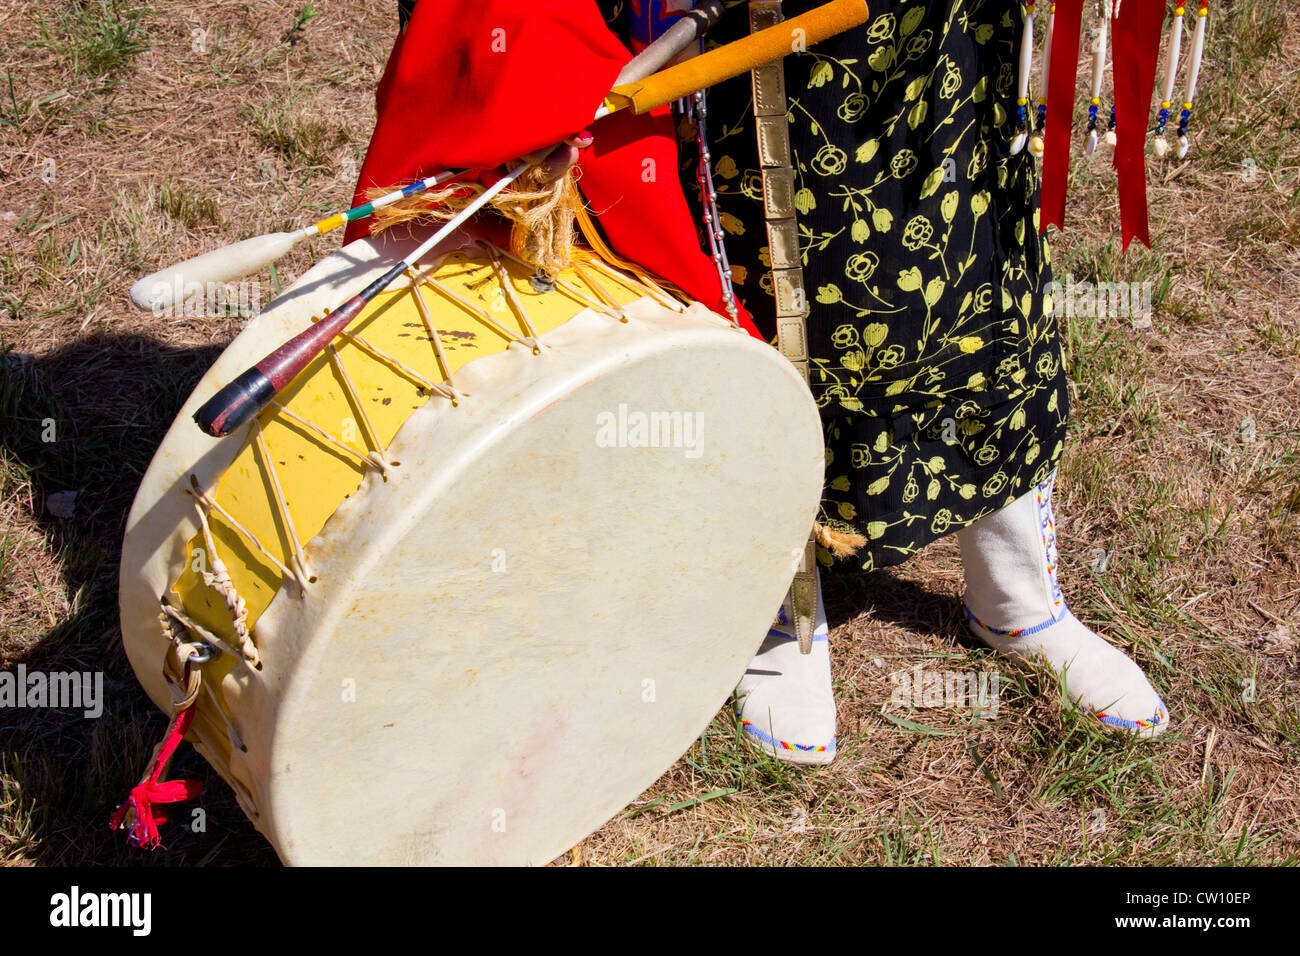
x,y
604,258
299,558
374,459
219,580
372,436
211,504
174,618
298,568
182,670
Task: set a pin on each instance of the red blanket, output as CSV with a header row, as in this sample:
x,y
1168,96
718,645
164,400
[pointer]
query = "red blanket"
x,y
479,84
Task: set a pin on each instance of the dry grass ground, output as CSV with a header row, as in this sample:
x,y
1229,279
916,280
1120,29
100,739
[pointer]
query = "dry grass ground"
x,y
133,133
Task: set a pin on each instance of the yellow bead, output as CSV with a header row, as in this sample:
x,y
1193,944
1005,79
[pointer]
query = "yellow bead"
x,y
1202,12
1187,105
1021,101
1165,104
1095,101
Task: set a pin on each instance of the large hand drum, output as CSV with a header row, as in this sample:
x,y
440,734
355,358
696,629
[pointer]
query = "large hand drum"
x,y
486,568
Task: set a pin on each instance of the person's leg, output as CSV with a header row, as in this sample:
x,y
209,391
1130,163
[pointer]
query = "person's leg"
x,y
786,706
1014,604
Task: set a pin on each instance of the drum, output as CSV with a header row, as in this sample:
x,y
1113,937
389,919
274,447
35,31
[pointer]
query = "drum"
x,y
485,569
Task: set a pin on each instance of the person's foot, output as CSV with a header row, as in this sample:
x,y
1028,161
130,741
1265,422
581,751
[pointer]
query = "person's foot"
x,y
1014,604
785,703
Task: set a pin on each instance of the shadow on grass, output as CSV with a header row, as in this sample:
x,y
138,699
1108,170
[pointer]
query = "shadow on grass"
x,y
889,598
87,418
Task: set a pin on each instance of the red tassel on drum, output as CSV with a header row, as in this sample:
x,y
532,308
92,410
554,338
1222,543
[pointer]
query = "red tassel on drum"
x,y
143,827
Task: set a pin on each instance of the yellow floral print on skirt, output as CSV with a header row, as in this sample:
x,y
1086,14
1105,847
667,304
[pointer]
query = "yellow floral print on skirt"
x,y
935,361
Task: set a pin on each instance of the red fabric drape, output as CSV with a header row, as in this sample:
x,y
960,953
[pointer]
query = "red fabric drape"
x,y
479,84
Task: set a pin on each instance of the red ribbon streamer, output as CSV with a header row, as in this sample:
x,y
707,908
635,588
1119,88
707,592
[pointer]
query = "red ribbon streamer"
x,y
144,831
1060,111
1135,44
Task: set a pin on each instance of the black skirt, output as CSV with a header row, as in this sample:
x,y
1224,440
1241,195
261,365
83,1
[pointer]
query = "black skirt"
x,y
935,360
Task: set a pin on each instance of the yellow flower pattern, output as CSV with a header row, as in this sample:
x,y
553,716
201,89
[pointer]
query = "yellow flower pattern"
x,y
938,371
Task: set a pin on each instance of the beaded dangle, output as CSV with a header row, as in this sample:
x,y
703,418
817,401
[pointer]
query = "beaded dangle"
x,y
1037,142
1022,88
1098,76
1160,144
1111,136
1193,74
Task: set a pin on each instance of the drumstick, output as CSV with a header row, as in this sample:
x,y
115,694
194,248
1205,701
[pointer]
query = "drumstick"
x,y
252,391
166,287
693,25
739,56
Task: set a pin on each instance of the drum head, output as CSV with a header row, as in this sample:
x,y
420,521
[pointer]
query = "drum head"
x,y
556,618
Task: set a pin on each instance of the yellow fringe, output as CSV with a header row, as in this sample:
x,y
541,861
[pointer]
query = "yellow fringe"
x,y
596,242
842,544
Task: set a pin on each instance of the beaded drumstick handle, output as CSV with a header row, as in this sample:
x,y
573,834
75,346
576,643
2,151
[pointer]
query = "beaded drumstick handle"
x,y
169,286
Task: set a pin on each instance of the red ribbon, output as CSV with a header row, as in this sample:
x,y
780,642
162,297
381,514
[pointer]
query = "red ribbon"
x,y
144,831
1060,111
1135,44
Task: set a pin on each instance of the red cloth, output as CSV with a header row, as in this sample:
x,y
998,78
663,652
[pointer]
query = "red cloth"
x,y
1060,90
477,85
1135,40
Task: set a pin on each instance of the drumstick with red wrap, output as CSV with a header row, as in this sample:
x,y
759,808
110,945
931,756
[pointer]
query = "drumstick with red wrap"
x,y
252,391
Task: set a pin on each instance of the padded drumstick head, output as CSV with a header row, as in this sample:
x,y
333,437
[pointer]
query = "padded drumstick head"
x,y
173,285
